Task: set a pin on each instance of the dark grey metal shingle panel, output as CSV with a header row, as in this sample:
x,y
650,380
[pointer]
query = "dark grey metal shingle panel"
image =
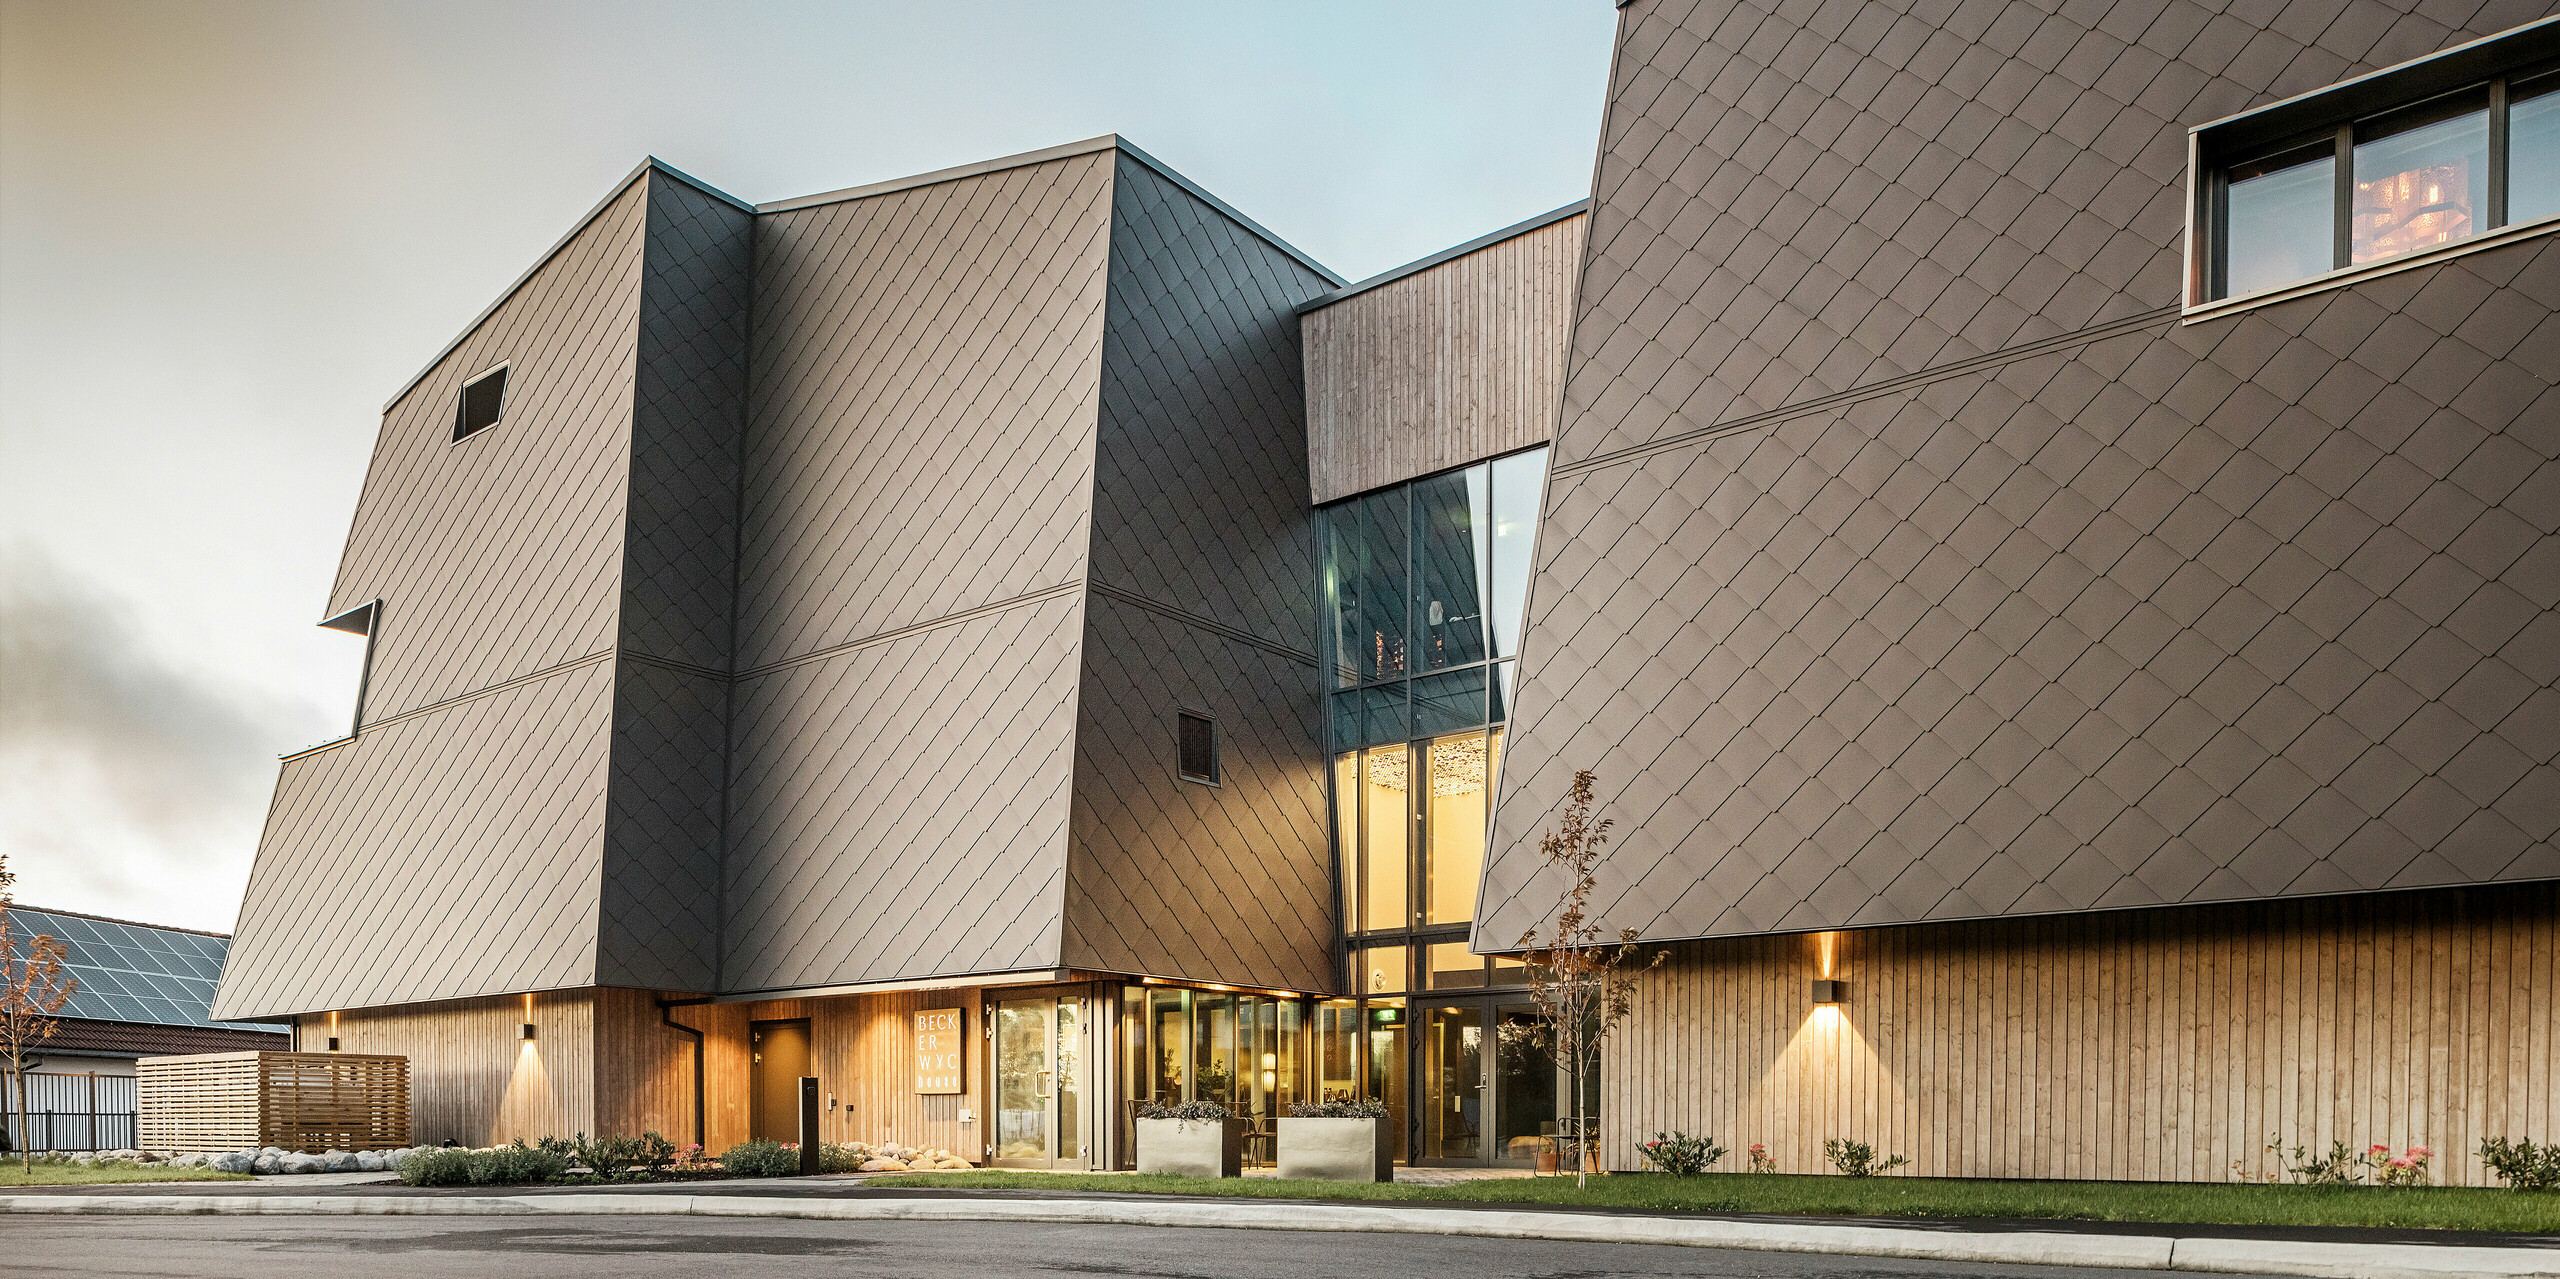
x,y
923,392
659,894
1198,511
2256,607
899,809
1203,417
1230,883
501,555
449,854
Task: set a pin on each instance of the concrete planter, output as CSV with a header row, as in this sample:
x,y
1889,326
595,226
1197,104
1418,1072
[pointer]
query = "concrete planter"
x,y
1191,1147
1337,1149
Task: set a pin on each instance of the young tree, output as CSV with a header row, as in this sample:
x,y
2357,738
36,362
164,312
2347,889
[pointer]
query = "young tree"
x,y
34,985
1585,986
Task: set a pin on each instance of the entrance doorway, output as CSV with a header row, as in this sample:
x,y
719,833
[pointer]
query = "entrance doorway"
x,y
1485,1082
778,1057
1041,1047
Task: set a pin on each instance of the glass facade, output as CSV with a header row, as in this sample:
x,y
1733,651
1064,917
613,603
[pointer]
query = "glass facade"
x,y
1425,587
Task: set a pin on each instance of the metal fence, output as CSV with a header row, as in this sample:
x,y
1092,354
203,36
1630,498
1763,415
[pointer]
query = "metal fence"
x,y
69,1112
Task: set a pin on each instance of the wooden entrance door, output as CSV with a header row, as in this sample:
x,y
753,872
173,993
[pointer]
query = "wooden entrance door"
x,y
779,1056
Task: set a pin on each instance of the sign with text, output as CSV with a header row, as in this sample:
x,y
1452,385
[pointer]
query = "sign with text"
x,y
938,1050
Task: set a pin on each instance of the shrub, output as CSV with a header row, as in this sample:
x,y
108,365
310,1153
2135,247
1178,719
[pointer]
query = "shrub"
x,y
1349,1108
2522,1164
836,1158
504,1166
2408,1168
2340,1167
1202,1109
437,1168
761,1159
1858,1159
1761,1160
1680,1154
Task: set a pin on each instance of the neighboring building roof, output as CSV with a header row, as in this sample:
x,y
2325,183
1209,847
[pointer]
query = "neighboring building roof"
x,y
76,1037
130,972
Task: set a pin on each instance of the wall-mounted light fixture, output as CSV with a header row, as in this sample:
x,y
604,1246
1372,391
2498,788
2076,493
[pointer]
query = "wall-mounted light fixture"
x,y
333,1043
525,1031
1830,991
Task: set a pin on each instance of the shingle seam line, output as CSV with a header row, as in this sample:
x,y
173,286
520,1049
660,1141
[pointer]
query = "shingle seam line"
x,y
884,637
477,693
1201,623
1876,390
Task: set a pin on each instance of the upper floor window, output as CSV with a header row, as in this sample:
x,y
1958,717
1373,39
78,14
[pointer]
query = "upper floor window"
x,y
484,398
1197,745
2435,153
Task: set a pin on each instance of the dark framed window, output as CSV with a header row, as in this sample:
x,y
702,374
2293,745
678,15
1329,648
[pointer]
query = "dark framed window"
x,y
483,402
1197,747
2432,154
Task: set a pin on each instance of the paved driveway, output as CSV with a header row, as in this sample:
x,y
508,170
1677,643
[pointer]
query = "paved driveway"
x,y
693,1247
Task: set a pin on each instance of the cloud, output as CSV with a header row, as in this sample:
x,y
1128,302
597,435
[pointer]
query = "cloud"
x,y
129,785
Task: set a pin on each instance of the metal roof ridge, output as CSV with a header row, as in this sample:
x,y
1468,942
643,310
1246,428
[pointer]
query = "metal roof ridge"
x,y
110,919
1485,241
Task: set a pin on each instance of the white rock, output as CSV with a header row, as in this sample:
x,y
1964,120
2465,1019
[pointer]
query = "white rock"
x,y
304,1163
267,1165
368,1161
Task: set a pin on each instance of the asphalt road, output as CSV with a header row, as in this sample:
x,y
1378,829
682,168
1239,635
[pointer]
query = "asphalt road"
x,y
695,1247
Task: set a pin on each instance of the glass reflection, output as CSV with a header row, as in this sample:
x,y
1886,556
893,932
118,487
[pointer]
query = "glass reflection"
x,y
1517,483
1346,834
1456,828
2533,151
1447,703
1524,1085
2280,226
1447,965
1450,513
1453,1083
2421,183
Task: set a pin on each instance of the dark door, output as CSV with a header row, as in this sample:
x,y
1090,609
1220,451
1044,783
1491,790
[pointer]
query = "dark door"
x,y
779,1057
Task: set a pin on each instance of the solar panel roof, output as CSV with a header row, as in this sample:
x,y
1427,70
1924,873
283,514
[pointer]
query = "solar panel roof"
x,y
133,972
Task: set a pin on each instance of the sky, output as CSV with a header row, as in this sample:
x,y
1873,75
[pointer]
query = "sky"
x,y
229,231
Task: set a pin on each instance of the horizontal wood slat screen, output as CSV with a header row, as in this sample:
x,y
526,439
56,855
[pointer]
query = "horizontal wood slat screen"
x,y
1446,366
2167,1045
294,1101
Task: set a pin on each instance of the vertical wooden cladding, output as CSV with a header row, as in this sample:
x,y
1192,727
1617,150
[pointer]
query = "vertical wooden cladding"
x,y
2167,1045
472,1077
863,1050
1453,363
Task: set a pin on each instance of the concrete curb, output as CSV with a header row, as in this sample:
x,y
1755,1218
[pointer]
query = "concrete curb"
x,y
2131,1252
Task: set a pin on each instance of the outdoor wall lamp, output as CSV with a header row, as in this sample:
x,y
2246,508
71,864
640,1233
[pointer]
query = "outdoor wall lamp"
x,y
1830,991
525,1031
333,1043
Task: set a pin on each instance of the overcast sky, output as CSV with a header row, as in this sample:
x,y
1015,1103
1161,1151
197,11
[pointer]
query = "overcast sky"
x,y
229,231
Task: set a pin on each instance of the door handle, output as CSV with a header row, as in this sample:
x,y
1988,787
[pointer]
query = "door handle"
x,y
1043,1089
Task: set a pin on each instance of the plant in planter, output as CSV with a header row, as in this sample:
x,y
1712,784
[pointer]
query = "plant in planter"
x,y
1337,1141
1190,1139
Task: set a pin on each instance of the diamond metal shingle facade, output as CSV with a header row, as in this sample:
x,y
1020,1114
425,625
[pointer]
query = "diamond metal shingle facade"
x,y
804,622
1904,557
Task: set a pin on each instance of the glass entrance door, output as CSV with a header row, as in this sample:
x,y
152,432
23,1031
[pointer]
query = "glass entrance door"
x,y
1039,1052
1485,1082
1451,1060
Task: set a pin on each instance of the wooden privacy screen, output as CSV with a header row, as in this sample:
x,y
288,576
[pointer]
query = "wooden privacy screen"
x,y
293,1101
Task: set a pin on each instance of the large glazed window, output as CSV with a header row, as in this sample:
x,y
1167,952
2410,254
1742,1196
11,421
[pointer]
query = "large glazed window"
x,y
2423,159
1455,828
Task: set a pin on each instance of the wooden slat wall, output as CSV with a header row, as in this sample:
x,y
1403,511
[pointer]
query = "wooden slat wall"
x,y
1443,367
471,1078
862,1050
2145,1045
292,1101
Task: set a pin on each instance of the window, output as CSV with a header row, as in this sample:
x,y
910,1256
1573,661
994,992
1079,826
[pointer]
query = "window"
x,y
2440,152
1199,747
484,398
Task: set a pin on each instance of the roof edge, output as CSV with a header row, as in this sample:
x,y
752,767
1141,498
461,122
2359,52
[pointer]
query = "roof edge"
x,y
1063,151
110,919
647,164
1486,241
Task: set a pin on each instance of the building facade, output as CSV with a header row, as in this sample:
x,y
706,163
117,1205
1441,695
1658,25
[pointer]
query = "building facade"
x,y
2042,519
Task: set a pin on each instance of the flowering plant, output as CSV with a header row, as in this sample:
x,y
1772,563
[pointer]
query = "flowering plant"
x,y
2408,1168
1680,1154
1761,1160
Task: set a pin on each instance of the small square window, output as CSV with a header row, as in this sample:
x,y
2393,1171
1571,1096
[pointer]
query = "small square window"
x,y
483,399
1199,745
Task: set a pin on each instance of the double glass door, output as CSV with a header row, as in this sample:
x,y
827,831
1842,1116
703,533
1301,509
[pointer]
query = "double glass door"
x,y
1486,1083
1041,1047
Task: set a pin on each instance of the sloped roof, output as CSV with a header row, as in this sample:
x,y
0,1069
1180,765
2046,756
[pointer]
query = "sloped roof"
x,y
133,972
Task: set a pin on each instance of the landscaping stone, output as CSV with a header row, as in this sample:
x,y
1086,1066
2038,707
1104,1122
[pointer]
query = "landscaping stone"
x,y
268,1164
369,1161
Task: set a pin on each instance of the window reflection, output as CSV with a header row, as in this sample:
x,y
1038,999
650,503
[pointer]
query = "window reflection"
x,y
1517,483
2279,227
2533,150
2421,183
1450,513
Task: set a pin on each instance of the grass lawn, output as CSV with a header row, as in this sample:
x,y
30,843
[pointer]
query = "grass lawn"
x,y
105,1174
2458,1208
